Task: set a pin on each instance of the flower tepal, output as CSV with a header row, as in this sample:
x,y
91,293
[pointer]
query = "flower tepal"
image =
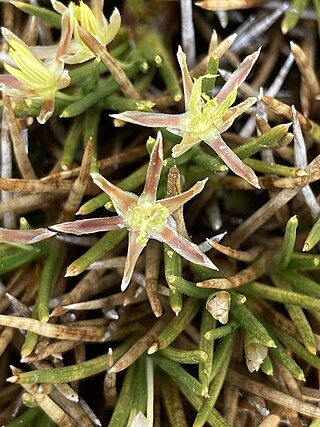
x,y
145,217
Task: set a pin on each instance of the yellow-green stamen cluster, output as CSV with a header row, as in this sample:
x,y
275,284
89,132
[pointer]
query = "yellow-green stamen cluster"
x,y
147,219
32,72
203,118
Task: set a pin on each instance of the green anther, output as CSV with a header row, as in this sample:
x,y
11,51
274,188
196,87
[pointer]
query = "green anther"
x,y
202,120
147,219
218,114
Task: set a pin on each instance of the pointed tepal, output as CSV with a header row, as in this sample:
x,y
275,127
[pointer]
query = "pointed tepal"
x,y
27,237
238,76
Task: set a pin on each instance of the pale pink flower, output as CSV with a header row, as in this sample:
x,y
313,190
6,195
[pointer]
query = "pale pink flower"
x,y
205,119
145,217
30,77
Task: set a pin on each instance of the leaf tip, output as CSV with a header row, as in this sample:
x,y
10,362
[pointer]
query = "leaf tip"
x,y
12,379
72,270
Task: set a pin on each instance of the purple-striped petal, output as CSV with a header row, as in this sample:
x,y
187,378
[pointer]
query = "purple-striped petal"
x,y
175,202
24,236
149,193
186,78
238,76
232,160
183,247
134,250
152,120
122,200
66,36
88,226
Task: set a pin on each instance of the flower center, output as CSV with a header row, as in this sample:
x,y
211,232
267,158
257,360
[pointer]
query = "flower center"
x,y
205,115
202,122
147,219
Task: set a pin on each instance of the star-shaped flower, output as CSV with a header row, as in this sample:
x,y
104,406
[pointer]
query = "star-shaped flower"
x,y
92,21
205,119
32,78
145,217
